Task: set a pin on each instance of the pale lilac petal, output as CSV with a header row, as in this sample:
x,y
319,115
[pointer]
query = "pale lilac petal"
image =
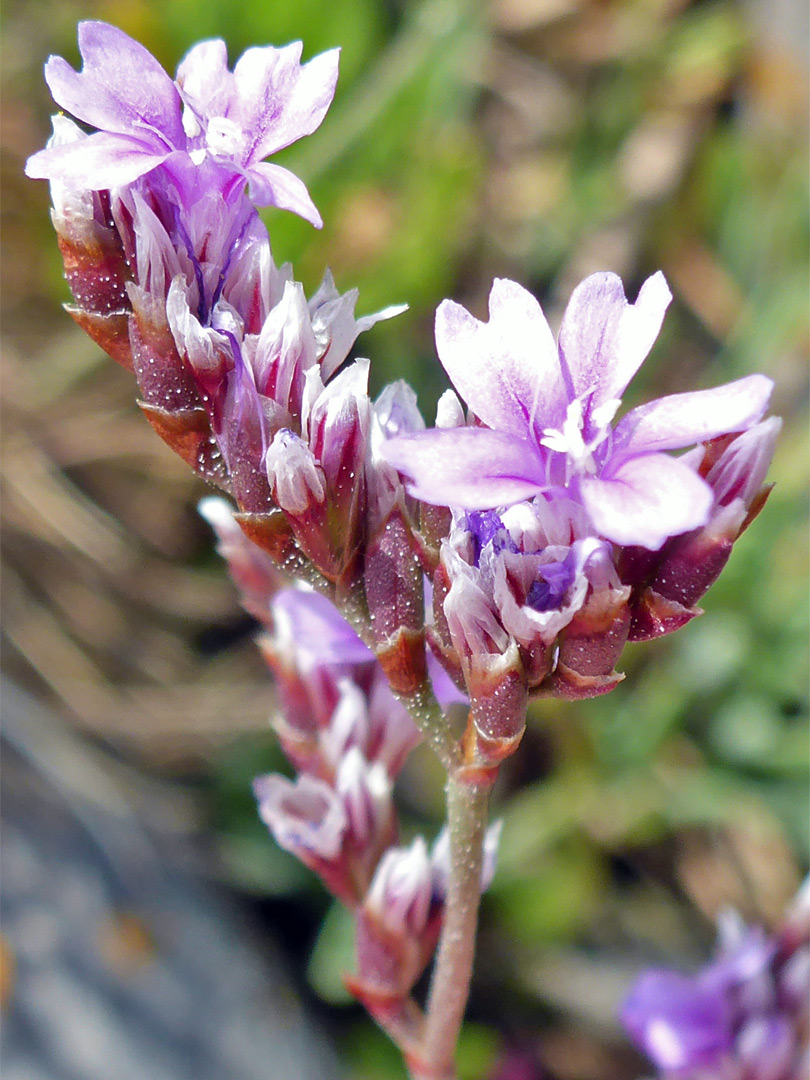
x,y
683,419
471,468
507,369
96,163
280,100
604,339
204,78
273,185
740,472
317,630
306,817
646,500
122,87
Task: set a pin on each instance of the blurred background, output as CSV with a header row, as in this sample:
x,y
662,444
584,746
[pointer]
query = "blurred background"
x,y
147,913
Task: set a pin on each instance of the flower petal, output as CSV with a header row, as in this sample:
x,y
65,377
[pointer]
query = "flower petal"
x,y
471,468
121,88
676,1021
204,78
646,500
506,369
313,625
604,339
281,100
95,163
683,419
273,185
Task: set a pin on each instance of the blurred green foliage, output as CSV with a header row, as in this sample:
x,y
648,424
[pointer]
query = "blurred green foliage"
x,y
666,135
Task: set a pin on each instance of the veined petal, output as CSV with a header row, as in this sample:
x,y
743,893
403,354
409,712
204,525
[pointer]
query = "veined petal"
x,y
204,78
315,628
121,88
683,419
604,339
282,100
96,163
273,185
647,499
471,468
507,369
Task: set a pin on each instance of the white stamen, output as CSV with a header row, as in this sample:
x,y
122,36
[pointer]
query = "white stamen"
x,y
191,125
223,137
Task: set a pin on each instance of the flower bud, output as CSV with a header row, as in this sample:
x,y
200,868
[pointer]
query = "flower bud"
x,y
735,468
394,935
96,266
365,791
590,645
254,573
336,422
493,670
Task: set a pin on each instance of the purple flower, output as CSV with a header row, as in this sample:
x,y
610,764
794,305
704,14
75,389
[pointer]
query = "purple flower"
x,y
737,1018
145,119
307,817
679,1023
311,628
548,409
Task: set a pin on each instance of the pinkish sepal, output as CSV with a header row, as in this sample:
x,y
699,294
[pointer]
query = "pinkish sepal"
x,y
395,597
593,641
96,265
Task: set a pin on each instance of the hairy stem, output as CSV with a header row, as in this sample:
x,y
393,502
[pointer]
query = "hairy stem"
x,y
429,717
467,821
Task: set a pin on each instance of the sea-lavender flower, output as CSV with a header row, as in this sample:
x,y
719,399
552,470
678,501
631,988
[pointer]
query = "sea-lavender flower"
x,y
209,114
308,819
547,410
739,1018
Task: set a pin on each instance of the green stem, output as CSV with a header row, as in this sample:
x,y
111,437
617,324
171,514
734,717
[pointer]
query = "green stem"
x,y
466,821
428,716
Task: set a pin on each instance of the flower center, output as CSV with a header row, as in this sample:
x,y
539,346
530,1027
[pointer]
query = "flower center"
x,y
570,438
223,137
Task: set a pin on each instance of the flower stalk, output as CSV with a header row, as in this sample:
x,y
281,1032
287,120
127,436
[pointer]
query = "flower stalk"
x,y
466,821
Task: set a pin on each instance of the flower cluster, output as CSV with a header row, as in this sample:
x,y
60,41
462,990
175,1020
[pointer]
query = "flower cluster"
x,y
570,536
742,1017
348,738
508,552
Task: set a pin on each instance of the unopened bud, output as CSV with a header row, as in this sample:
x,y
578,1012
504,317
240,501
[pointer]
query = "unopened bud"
x,y
394,936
